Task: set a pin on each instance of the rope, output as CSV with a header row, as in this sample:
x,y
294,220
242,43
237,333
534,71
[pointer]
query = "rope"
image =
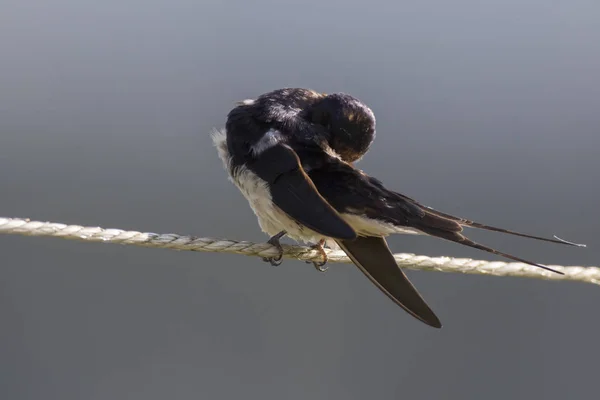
x,y
18,226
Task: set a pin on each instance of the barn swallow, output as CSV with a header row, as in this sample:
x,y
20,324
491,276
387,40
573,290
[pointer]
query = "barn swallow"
x,y
291,153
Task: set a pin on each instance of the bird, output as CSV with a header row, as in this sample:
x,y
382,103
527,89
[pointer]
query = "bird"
x,y
291,152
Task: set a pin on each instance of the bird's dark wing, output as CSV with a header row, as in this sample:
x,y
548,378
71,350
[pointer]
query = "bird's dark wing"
x,y
372,255
368,197
294,192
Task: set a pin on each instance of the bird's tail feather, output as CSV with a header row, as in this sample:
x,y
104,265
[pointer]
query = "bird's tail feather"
x,y
473,224
459,238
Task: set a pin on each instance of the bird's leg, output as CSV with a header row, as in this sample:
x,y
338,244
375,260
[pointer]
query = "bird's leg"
x,y
319,264
274,240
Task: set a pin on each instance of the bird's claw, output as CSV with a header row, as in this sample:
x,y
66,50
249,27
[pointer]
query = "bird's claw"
x,y
274,241
319,264
274,261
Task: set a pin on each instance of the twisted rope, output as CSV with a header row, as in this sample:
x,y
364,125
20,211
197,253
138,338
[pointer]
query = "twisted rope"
x,y
18,226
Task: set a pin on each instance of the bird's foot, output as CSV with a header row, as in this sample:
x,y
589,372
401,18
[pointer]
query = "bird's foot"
x,y
274,240
319,264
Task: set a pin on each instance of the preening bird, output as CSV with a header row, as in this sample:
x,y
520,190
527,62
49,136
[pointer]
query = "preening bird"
x,y
291,153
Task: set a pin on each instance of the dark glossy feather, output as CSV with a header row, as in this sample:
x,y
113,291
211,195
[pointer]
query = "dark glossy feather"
x,y
372,255
478,225
294,193
366,196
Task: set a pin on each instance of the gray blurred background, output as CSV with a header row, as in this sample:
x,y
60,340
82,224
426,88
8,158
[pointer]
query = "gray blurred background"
x,y
488,110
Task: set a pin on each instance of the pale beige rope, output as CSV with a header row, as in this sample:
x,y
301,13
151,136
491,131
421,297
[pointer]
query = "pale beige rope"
x,y
18,226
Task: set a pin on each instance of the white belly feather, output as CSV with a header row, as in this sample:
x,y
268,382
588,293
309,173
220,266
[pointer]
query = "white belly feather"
x,y
273,220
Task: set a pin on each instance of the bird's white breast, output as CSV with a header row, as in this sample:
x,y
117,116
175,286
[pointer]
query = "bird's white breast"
x,y
271,218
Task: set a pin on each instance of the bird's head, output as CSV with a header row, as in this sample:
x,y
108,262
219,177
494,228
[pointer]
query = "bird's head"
x,y
348,123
